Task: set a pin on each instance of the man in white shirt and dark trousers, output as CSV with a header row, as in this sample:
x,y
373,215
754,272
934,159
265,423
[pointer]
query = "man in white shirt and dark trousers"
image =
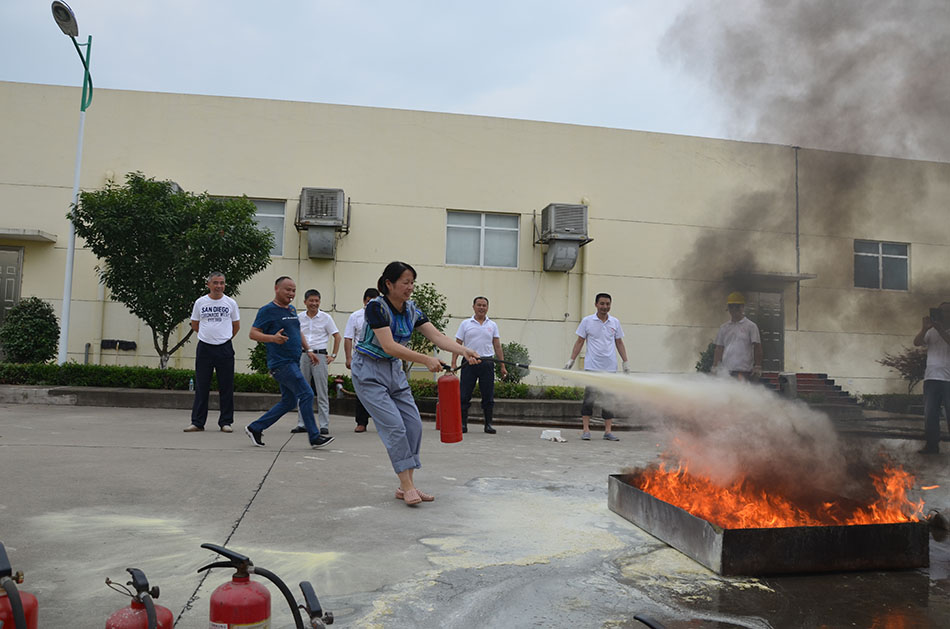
x,y
317,327
481,334
216,318
353,333
604,338
934,336
738,345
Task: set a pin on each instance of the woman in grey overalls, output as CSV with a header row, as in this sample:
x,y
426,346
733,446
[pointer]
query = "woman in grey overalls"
x,y
380,381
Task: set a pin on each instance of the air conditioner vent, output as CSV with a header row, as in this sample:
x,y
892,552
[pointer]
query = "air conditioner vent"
x,y
321,206
564,221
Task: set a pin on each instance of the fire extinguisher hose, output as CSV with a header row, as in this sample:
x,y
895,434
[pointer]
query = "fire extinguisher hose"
x,y
150,616
273,578
16,605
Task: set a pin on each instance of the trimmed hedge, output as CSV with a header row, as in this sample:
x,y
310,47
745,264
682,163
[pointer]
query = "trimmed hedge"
x,y
77,375
892,402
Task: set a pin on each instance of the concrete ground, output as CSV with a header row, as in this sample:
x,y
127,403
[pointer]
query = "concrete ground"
x,y
519,536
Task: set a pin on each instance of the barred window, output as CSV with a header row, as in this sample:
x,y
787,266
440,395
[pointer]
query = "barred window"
x,y
481,239
880,265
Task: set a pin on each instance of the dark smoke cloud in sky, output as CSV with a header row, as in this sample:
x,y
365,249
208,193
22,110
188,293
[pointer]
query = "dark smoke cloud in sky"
x,y
860,76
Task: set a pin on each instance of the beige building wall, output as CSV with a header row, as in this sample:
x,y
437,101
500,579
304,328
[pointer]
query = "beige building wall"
x,y
677,222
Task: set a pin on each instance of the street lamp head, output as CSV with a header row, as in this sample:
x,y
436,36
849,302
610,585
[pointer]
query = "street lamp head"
x,y
65,18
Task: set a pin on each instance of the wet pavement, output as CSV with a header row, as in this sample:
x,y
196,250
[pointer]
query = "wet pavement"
x,y
519,536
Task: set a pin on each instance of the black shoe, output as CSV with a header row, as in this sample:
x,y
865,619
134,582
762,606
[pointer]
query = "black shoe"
x,y
297,429
321,441
324,431
929,450
255,436
490,430
464,428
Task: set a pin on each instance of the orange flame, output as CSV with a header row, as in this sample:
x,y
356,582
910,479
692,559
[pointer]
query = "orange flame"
x,y
741,505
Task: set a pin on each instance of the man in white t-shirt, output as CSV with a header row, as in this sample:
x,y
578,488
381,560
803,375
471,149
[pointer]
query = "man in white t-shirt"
x,y
738,345
934,336
604,338
481,334
316,327
353,333
216,318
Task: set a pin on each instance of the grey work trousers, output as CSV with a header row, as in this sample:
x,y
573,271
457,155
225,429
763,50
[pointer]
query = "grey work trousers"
x,y
317,372
383,389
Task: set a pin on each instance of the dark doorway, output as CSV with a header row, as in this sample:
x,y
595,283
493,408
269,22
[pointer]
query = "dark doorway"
x,y
11,262
767,311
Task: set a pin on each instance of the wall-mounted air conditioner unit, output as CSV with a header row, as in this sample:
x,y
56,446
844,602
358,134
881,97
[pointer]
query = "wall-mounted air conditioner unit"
x,y
564,231
321,207
564,221
321,213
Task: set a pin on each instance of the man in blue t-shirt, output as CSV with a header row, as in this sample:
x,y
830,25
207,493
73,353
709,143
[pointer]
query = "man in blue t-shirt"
x,y
277,325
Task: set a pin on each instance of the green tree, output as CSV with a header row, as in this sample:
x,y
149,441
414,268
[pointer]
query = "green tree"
x,y
30,332
157,244
514,353
704,364
910,364
431,302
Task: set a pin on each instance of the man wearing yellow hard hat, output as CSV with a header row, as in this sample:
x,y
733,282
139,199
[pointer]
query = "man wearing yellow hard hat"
x,y
738,345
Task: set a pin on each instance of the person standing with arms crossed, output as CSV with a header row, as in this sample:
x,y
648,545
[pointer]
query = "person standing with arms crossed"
x,y
934,336
380,381
317,327
353,332
216,318
278,327
481,334
604,338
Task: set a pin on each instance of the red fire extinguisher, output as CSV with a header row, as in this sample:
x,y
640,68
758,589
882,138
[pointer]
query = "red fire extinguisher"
x,y
243,602
18,610
449,410
142,613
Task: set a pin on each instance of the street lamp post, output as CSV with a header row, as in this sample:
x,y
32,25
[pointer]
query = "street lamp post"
x,y
66,20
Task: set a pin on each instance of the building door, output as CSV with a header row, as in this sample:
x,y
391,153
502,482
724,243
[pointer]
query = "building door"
x,y
767,311
11,262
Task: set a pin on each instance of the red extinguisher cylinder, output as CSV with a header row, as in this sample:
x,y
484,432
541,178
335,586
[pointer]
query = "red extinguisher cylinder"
x,y
450,409
30,606
240,602
136,617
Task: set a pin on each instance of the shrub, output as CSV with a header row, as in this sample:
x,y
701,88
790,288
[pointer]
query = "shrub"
x,y
259,358
892,402
564,393
704,364
910,364
516,353
30,332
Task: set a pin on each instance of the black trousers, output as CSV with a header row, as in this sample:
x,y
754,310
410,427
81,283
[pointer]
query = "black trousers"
x,y
208,358
936,394
484,374
362,415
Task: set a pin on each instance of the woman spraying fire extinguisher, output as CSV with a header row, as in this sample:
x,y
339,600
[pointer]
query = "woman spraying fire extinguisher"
x,y
380,381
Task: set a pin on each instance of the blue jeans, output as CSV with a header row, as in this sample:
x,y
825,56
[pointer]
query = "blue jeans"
x,y
295,392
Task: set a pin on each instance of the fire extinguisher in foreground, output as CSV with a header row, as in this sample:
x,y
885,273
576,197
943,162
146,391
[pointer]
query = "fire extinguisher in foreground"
x,y
18,610
142,613
242,602
449,408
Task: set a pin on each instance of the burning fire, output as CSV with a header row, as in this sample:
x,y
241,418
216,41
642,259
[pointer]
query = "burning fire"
x,y
742,505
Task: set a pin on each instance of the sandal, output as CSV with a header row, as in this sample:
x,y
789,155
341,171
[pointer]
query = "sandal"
x,y
425,497
411,497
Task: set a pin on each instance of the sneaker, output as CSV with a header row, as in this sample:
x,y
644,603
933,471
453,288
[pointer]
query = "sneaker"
x,y
193,428
297,429
255,436
324,431
585,436
227,428
321,441
609,436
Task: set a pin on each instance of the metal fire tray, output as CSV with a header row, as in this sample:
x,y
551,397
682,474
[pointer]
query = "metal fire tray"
x,y
751,552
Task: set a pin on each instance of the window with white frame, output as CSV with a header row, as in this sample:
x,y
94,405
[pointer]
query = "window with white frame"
x,y
880,265
481,239
270,216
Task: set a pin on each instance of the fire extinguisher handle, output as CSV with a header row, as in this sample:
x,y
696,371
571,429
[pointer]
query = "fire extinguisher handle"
x,y
310,601
6,570
216,564
236,558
